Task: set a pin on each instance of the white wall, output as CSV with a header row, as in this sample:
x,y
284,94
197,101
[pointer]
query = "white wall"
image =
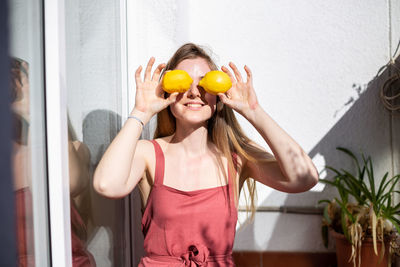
x,y
314,66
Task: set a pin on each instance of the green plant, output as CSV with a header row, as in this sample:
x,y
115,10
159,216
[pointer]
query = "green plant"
x,y
362,209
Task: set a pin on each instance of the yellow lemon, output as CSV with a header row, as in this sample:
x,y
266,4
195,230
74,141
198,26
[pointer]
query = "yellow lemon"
x,y
215,82
176,81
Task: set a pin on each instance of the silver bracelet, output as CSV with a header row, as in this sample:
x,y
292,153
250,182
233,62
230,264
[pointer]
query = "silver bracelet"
x,y
136,118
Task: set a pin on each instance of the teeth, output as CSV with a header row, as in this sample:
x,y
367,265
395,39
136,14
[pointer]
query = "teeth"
x,y
194,105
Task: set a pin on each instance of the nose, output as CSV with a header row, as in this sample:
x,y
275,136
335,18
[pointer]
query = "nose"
x,y
194,90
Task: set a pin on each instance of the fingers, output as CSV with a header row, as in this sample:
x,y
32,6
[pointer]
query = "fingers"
x,y
224,99
159,91
157,72
227,71
236,72
137,75
147,73
172,98
249,74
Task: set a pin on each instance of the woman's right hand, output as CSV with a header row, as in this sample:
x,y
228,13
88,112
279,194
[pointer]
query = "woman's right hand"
x,y
149,93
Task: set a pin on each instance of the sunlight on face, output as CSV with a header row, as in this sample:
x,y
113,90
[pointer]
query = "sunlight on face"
x,y
195,105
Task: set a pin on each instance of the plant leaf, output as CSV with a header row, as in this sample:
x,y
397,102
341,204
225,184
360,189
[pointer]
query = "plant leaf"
x,y
333,169
370,175
380,191
395,223
325,181
326,215
344,225
351,154
393,180
324,201
359,184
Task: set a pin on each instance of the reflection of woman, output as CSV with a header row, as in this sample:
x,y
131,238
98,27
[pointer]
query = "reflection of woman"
x,y
79,176
191,174
21,161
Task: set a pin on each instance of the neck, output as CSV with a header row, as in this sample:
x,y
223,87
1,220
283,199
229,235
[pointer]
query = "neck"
x,y
192,138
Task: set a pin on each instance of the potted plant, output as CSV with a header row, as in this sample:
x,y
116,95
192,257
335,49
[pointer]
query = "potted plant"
x,y
362,218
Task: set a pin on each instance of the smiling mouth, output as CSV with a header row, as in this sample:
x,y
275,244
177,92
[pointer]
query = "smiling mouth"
x,y
194,105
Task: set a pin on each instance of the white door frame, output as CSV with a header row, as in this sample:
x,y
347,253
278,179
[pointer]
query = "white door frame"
x,y
57,133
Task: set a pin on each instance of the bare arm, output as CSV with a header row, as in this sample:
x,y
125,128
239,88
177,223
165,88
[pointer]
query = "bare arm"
x,y
293,171
123,164
112,173
79,160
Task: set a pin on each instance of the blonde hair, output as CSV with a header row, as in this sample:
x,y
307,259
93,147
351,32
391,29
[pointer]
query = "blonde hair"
x,y
223,128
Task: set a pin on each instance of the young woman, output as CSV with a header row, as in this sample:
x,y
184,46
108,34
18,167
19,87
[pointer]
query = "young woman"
x,y
191,174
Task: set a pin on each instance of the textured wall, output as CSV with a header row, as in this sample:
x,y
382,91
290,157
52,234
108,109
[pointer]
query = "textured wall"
x,y
315,68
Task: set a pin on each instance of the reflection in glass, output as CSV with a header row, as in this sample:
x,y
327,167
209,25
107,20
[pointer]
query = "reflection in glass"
x,y
29,143
93,81
79,180
22,161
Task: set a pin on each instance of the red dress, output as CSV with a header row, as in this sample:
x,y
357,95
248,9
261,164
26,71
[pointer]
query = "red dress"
x,y
188,228
24,220
26,254
81,257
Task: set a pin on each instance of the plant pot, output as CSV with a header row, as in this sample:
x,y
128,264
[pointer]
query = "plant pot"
x,y
368,257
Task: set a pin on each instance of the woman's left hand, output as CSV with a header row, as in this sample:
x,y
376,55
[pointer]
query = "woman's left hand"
x,y
241,97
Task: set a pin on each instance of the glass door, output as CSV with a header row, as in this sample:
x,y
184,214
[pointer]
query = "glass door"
x,y
99,226
29,143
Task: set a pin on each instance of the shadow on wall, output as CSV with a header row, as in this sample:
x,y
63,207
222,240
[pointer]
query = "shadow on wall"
x,y
364,127
105,241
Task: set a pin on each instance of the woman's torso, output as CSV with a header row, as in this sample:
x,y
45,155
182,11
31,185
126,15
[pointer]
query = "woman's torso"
x,y
193,224
174,172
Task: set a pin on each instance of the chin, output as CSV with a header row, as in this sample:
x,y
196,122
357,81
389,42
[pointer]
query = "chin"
x,y
194,119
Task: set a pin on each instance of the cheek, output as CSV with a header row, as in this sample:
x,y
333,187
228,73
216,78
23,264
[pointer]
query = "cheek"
x,y
211,99
172,107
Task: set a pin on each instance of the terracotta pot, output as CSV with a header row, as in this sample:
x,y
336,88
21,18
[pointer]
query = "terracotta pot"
x,y
368,257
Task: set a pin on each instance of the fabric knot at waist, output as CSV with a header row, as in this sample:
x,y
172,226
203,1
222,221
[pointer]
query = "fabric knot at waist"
x,y
196,256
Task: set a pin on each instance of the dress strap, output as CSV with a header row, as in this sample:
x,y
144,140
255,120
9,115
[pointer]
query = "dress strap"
x,y
160,163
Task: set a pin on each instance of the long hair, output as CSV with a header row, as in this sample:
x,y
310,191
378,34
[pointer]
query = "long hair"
x,y
223,128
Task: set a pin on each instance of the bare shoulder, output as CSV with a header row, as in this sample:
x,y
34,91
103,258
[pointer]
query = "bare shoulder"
x,y
145,149
82,150
163,141
145,146
147,152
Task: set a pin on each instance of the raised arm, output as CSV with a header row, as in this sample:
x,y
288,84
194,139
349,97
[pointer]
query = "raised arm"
x,y
123,164
293,171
